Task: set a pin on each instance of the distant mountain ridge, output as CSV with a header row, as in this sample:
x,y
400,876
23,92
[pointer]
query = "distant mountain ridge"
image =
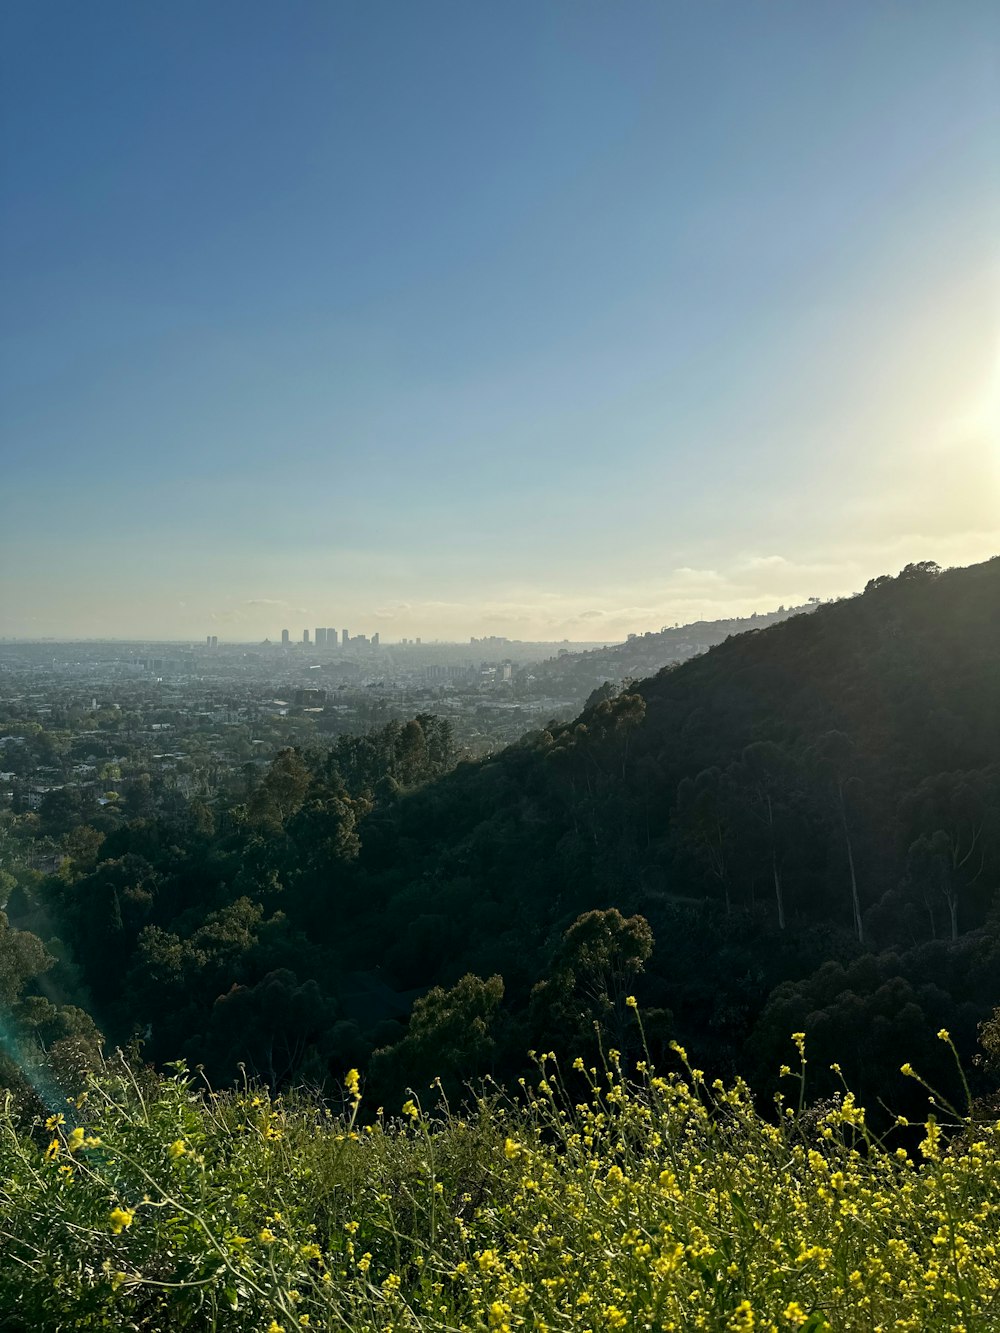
x,y
644,654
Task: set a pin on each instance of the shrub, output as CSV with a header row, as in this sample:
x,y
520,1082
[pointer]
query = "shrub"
x,y
596,1200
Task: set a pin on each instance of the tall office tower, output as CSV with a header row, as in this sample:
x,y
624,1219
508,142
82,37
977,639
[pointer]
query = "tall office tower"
x,y
284,638
208,640
346,638
305,636
320,637
375,639
332,638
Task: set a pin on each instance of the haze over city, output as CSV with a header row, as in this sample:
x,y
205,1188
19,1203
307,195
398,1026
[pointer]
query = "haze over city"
x,y
548,321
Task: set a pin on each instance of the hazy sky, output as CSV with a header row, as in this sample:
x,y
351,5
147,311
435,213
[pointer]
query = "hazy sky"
x,y
524,317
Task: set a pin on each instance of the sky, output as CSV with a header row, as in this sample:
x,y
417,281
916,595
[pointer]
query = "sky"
x,y
544,318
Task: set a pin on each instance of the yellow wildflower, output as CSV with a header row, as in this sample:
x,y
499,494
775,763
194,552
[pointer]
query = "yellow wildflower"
x,y
742,1318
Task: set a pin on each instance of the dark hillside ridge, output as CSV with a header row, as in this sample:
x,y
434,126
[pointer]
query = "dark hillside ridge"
x,y
872,723
807,817
913,664
908,672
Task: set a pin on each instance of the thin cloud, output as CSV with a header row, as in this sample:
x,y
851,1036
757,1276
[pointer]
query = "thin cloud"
x,y
276,601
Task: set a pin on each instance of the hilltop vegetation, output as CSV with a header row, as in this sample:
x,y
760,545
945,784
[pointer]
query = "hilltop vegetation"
x,y
797,830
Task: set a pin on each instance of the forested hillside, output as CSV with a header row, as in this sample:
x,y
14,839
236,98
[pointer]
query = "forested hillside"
x,y
798,830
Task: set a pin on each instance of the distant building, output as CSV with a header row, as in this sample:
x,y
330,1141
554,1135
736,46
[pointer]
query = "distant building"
x,y
284,638
309,698
332,637
320,637
346,638
375,639
305,636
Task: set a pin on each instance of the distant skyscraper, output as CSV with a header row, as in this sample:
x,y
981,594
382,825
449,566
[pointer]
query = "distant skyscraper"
x,y
320,637
375,639
346,636
305,636
332,638
284,638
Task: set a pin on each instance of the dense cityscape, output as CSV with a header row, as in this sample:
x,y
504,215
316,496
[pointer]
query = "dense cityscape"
x,y
112,730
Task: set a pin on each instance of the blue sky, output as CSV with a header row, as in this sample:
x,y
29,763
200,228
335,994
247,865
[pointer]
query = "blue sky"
x,y
547,319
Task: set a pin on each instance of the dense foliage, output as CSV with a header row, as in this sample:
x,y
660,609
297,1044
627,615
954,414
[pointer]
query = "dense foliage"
x,y
596,1200
798,830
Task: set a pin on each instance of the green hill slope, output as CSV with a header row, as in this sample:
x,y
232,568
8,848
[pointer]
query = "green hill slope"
x,y
806,817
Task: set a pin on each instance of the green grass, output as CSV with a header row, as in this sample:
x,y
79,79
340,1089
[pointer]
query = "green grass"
x,y
596,1200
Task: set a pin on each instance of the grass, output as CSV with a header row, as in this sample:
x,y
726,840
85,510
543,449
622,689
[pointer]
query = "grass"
x,y
595,1200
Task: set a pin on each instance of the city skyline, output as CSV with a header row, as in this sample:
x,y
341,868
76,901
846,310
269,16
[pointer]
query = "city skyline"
x,y
303,636
334,639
